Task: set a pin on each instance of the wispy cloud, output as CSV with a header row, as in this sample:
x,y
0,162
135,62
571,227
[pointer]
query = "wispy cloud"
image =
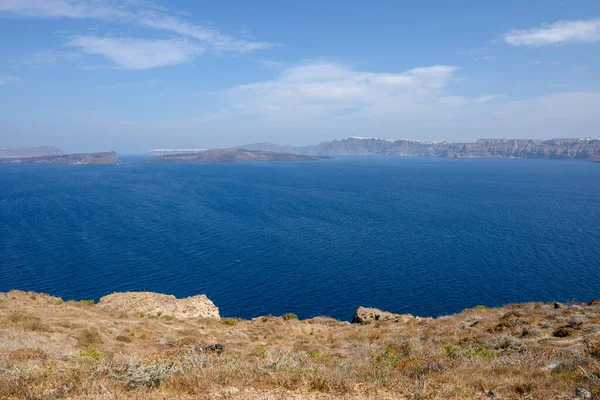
x,y
140,13
486,58
53,57
324,88
127,53
7,79
479,54
463,101
585,31
541,62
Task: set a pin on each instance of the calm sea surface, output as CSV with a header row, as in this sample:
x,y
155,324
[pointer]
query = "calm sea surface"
x,y
426,236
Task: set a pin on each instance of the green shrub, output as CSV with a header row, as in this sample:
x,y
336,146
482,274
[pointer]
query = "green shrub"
x,y
87,302
289,316
318,355
92,353
259,351
450,352
140,314
231,321
481,352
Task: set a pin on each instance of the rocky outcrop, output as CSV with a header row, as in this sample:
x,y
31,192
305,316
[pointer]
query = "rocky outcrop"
x,y
84,158
571,148
364,315
231,155
160,304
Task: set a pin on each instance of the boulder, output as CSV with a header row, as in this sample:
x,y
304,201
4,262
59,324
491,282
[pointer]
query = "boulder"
x,y
365,315
160,304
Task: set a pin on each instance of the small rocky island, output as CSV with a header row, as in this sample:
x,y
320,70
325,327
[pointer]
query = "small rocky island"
x,y
84,158
232,155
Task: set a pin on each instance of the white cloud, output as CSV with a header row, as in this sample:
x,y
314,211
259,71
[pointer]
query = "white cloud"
x,y
486,58
61,8
142,13
129,53
326,88
541,62
7,79
586,31
326,99
463,101
53,57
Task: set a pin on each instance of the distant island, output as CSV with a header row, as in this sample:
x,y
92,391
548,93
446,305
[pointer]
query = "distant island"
x,y
39,151
84,158
232,155
569,148
166,152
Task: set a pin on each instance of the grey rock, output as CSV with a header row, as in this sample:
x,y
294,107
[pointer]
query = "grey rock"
x,y
213,348
576,321
583,393
63,390
552,366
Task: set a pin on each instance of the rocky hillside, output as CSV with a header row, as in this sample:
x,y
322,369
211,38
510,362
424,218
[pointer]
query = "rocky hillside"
x,y
40,151
584,148
231,155
85,158
129,347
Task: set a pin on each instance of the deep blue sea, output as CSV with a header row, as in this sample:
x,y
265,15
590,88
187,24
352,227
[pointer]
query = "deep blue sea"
x,y
426,236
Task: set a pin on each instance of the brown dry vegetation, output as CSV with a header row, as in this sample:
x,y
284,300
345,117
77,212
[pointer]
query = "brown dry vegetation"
x,y
54,349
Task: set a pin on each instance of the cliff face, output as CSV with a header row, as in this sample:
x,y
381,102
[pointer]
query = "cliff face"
x,y
40,151
85,158
584,149
232,155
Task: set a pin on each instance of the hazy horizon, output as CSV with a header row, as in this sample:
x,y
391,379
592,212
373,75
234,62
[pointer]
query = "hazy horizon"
x,y
134,75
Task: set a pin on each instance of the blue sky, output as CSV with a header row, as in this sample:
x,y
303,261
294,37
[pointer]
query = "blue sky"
x,y
130,75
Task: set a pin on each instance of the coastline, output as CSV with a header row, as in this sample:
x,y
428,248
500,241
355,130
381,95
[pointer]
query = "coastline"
x,y
84,350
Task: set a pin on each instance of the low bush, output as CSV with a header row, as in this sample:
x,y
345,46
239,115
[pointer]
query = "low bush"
x,y
88,337
91,353
231,321
289,317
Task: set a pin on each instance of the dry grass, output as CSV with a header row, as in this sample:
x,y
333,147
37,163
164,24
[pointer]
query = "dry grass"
x,y
513,351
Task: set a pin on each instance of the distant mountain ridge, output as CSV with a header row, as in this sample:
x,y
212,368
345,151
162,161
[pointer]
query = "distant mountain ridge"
x,y
84,158
38,151
562,148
